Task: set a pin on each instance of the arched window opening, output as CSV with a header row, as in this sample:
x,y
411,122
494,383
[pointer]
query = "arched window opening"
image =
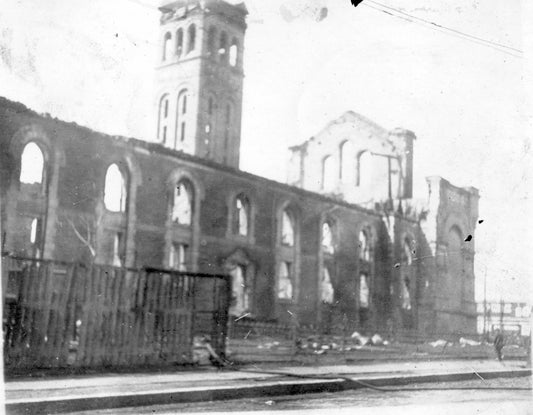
x,y
223,48
240,301
364,246
32,164
182,204
241,216
179,42
364,178
327,239
287,229
191,38
178,256
326,287
285,288
115,190
233,52
328,174
346,165
167,46
211,47
364,291
162,130
181,118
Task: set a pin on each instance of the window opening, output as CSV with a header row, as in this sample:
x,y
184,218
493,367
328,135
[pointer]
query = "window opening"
x,y
31,164
182,204
115,190
285,288
287,229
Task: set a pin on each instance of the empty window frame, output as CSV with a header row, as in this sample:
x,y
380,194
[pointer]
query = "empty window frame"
x,y
32,164
179,42
191,38
167,46
346,162
364,176
326,287
405,275
241,216
115,193
364,246
364,291
285,287
327,239
181,120
234,52
328,173
240,301
182,203
287,228
163,120
178,256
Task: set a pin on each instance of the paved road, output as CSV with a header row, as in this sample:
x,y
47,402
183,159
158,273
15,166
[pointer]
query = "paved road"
x,y
500,396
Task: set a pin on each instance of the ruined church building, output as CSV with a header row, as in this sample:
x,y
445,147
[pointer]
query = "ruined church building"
x,y
342,238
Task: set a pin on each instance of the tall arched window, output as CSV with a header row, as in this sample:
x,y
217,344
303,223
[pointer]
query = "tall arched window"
x,y
327,239
182,203
241,216
167,46
240,301
211,41
285,288
364,178
364,246
287,228
405,274
191,38
233,52
328,174
347,158
162,125
32,164
223,48
179,42
115,194
181,120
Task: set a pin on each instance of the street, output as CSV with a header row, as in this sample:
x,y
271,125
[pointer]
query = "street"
x,y
495,396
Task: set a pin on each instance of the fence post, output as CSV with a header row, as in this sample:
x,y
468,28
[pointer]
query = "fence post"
x,y
343,341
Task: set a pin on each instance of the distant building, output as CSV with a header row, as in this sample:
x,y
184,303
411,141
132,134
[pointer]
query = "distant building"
x,y
343,238
513,318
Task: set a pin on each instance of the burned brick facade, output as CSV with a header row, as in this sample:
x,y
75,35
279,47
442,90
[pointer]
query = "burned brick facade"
x,y
315,249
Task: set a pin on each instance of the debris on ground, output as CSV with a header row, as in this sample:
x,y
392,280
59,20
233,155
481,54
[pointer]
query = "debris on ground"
x,y
467,342
439,343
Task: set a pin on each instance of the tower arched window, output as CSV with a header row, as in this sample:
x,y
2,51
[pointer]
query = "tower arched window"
x,y
179,42
241,216
181,120
287,228
364,246
191,38
167,46
327,239
346,162
32,164
223,48
162,125
211,41
364,177
182,203
328,173
234,52
115,194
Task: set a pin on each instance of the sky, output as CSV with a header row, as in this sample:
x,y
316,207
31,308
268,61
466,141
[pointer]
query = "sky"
x,y
93,62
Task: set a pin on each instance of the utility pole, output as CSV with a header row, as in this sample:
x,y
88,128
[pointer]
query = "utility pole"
x,y
485,305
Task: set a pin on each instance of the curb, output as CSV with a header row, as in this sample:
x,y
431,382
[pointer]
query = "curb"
x,y
72,404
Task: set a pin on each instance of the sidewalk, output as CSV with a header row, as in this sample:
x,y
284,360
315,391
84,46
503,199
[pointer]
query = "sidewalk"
x,y
119,390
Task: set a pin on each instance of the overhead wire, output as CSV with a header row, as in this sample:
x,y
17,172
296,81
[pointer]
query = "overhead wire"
x,y
442,29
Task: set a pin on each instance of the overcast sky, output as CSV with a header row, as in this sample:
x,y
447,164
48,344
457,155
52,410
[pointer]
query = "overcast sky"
x,y
93,62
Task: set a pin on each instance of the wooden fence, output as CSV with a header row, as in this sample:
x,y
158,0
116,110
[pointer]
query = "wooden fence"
x,y
59,315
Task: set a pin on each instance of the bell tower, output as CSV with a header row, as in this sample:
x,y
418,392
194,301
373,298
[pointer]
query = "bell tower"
x,y
200,78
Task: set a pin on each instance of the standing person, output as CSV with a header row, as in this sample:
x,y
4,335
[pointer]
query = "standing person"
x,y
498,344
